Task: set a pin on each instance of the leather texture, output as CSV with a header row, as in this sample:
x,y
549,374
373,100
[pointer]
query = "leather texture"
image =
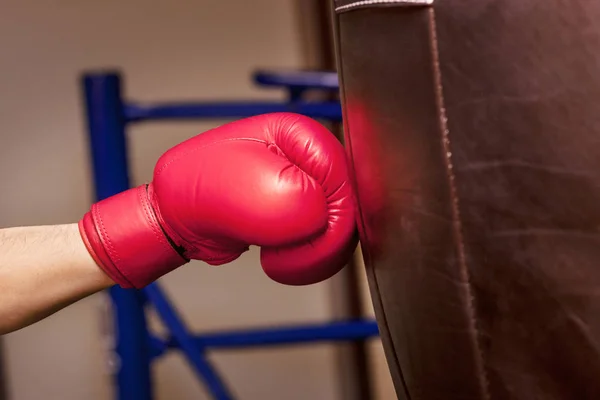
x,y
278,181
123,235
473,130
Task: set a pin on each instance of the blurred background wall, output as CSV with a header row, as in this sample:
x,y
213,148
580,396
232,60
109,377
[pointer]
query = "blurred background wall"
x,y
167,50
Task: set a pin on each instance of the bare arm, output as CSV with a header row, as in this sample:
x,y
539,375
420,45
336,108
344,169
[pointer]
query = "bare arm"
x,y
42,270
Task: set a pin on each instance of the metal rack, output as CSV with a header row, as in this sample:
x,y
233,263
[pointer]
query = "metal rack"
x,y
135,346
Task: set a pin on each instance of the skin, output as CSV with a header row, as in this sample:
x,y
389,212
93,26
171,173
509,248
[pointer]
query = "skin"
x,y
44,269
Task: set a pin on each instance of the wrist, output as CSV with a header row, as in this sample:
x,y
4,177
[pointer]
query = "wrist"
x,y
123,235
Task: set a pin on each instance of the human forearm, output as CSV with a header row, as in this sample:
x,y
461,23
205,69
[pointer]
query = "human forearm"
x,y
42,270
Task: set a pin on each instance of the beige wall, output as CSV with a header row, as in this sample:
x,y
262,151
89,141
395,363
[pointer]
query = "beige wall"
x,y
168,50
180,50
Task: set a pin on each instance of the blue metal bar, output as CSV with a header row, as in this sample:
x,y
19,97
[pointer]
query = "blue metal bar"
x,y
301,334
158,347
323,80
185,341
106,125
319,110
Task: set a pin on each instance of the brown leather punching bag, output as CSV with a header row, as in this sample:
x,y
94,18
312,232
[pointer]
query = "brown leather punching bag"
x,y
474,131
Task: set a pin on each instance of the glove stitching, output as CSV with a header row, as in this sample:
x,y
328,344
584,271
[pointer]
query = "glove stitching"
x,y
112,253
151,222
111,269
109,247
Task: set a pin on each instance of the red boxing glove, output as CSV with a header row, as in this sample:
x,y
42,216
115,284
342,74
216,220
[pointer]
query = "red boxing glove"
x,y
279,181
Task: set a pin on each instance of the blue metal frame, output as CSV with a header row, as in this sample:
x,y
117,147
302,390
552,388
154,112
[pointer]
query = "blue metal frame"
x,y
108,115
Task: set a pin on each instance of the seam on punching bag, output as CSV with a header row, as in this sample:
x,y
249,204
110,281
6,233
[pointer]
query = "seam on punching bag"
x,y
398,3
456,219
366,249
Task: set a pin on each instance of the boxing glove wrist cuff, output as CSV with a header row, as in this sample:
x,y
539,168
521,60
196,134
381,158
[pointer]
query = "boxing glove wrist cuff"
x,y
123,235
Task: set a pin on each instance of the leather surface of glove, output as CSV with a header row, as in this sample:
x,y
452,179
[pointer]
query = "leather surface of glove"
x,y
278,181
